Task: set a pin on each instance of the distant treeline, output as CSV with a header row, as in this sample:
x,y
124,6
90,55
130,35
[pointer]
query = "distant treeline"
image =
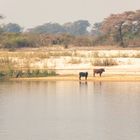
x,y
117,29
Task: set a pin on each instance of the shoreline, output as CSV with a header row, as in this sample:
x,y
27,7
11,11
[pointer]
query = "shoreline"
x,y
109,78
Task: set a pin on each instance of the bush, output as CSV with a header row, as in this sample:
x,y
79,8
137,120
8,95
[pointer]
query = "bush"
x,y
18,42
104,62
1,74
14,40
39,73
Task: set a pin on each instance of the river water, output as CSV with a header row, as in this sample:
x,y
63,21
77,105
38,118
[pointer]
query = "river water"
x,y
69,110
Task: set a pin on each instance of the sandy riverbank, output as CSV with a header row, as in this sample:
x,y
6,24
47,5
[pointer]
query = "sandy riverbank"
x,y
109,78
119,65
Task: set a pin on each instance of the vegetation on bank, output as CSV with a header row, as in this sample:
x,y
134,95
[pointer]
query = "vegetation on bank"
x,y
10,73
9,68
35,59
19,64
121,30
117,29
104,62
43,64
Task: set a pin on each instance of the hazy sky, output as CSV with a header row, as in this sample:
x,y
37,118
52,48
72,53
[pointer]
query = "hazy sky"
x,y
30,13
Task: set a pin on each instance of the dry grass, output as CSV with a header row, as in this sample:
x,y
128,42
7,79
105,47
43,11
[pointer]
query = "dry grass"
x,y
137,55
6,63
75,61
103,62
27,59
69,52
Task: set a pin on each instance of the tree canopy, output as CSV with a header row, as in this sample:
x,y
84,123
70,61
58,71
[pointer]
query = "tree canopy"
x,y
122,27
118,29
12,27
76,28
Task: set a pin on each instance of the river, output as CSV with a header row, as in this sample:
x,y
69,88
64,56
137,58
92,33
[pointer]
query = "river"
x,y
69,110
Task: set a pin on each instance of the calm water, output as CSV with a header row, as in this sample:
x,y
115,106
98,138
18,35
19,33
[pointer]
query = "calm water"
x,y
69,111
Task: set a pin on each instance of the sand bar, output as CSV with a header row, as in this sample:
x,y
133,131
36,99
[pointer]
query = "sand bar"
x,y
109,78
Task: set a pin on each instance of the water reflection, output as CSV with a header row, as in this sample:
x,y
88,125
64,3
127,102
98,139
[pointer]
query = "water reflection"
x,y
69,110
97,87
83,83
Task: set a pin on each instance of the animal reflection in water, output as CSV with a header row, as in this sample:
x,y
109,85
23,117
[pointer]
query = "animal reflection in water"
x,y
98,71
83,83
97,87
83,74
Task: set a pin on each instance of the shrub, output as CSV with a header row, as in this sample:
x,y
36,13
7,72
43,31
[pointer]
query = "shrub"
x,y
39,73
104,62
1,74
75,61
14,40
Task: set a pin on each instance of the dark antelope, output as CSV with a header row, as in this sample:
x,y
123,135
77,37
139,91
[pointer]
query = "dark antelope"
x,y
83,74
98,71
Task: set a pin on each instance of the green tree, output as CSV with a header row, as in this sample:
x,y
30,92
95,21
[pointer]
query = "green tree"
x,y
77,28
12,27
96,29
51,28
1,28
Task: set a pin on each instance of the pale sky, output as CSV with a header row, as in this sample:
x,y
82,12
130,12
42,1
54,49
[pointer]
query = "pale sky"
x,y
30,13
